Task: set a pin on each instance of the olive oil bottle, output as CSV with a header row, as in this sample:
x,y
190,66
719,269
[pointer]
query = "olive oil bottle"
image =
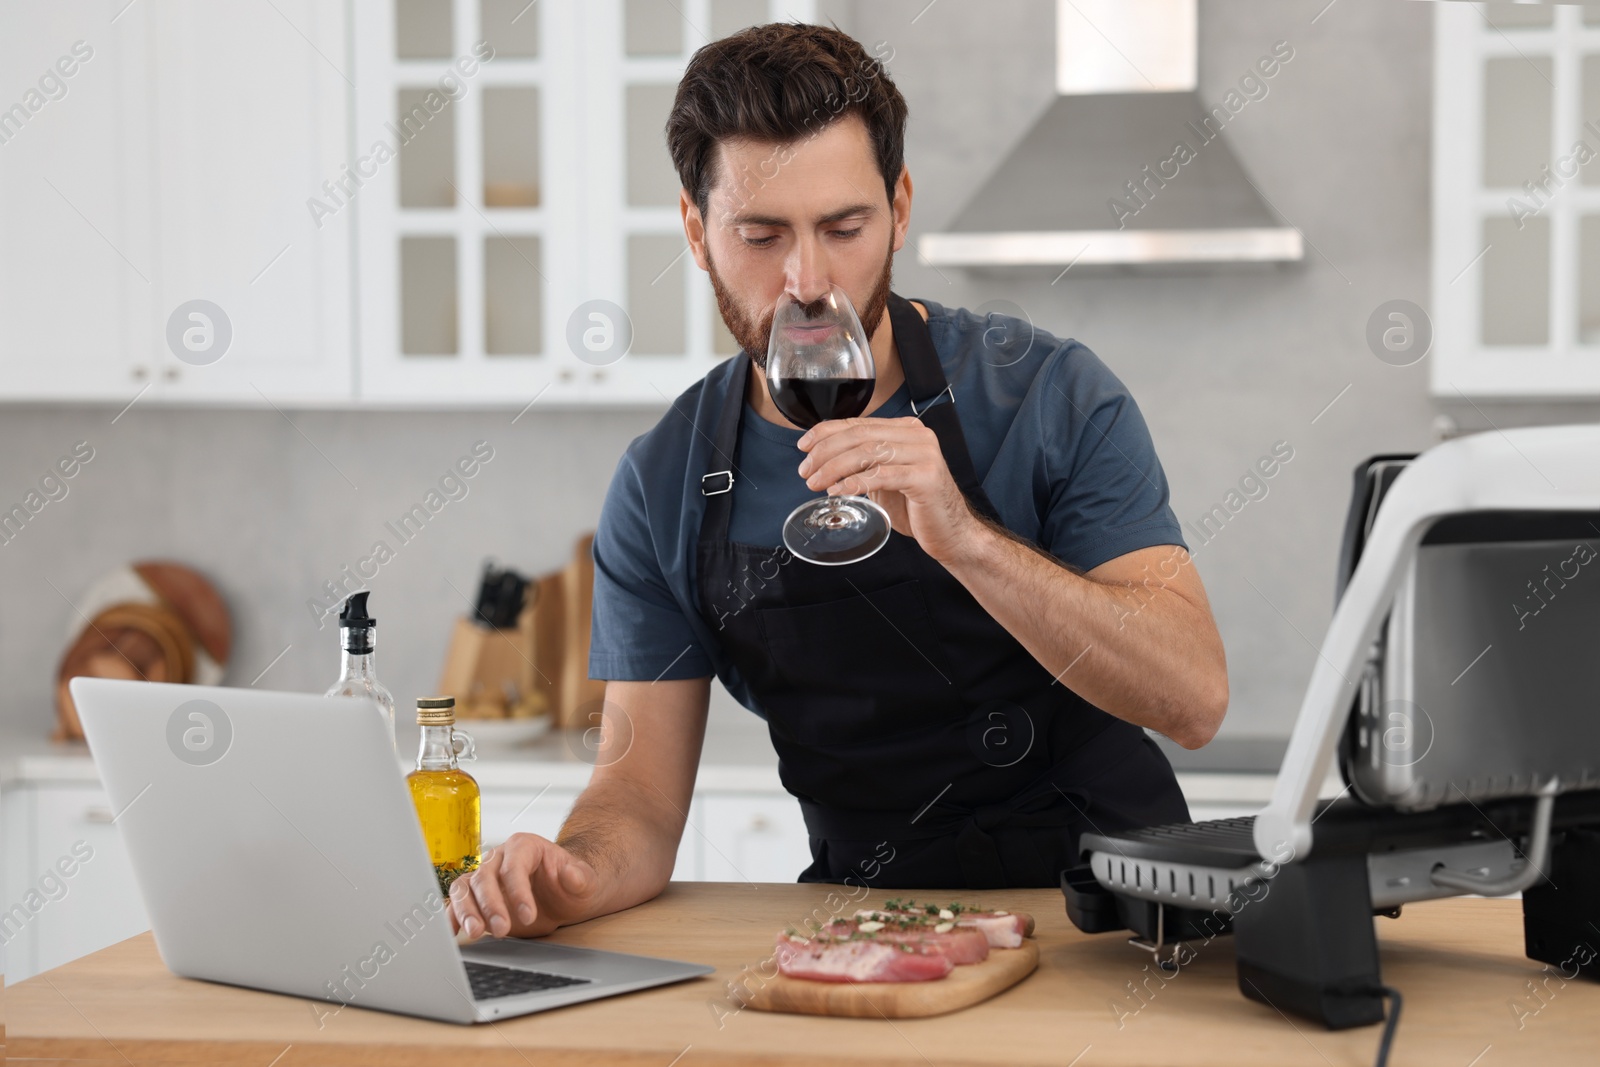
x,y
446,797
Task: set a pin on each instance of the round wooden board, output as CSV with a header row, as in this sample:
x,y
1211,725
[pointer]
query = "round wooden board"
x,y
963,987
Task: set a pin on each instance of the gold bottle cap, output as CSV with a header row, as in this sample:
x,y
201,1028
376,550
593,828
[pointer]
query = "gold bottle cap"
x,y
436,711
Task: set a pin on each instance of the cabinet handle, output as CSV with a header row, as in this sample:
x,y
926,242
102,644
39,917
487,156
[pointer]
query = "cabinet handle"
x,y
760,823
103,816
139,373
172,374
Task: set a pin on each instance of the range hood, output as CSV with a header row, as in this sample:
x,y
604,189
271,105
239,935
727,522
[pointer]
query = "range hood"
x,y
1100,178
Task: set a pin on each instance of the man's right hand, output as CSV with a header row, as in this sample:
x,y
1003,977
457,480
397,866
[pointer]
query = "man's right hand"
x,y
632,809
524,888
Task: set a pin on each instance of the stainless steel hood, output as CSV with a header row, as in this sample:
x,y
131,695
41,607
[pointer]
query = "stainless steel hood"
x,y
1100,177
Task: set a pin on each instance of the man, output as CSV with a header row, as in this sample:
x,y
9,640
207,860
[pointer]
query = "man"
x,y
953,711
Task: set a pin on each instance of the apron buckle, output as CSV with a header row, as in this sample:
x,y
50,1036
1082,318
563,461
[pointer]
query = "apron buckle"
x,y
934,400
716,474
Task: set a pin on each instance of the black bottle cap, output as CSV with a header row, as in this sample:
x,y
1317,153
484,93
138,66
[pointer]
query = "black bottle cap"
x,y
354,619
354,612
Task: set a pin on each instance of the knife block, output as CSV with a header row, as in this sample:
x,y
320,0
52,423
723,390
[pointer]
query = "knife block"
x,y
562,614
491,672
539,666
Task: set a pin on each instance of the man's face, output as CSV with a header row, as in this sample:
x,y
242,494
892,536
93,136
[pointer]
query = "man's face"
x,y
800,217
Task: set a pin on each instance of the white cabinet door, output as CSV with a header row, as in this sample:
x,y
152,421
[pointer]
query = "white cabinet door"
x,y
753,837
244,136
507,812
75,260
466,118
16,851
78,889
175,165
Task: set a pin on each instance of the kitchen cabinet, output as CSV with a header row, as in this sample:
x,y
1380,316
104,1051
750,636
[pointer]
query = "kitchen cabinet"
x,y
69,884
16,835
424,202
158,242
507,812
242,138
753,837
1516,205
742,827
526,241
74,261
99,903
542,811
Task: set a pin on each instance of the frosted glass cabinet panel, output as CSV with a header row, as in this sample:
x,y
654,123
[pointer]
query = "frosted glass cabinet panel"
x,y
652,181
511,146
427,149
510,28
652,28
428,295
1516,282
512,296
731,16
422,29
1516,119
1590,108
1507,16
658,271
1589,280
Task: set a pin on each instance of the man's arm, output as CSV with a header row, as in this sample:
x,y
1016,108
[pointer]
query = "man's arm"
x,y
1134,636
618,846
1141,646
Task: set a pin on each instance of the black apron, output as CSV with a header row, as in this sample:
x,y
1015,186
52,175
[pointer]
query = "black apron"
x,y
926,746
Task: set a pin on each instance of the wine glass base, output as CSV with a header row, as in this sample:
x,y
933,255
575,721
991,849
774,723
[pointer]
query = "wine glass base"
x,y
832,531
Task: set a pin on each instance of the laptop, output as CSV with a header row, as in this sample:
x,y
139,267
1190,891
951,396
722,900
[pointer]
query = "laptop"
x,y
276,847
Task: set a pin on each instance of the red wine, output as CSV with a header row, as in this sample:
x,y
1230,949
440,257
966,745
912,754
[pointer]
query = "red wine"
x,y
808,401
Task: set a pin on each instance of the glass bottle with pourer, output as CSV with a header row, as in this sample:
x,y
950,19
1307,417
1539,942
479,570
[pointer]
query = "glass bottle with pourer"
x,y
358,675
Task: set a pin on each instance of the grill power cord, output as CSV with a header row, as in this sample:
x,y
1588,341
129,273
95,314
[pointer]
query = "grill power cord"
x,y
1390,1024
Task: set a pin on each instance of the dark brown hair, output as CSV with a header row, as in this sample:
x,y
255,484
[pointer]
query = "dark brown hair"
x,y
777,84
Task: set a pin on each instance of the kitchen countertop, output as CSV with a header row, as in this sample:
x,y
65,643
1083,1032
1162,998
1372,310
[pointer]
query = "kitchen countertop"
x,y
1459,963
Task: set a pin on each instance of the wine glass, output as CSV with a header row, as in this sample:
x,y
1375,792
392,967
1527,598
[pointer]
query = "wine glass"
x,y
819,366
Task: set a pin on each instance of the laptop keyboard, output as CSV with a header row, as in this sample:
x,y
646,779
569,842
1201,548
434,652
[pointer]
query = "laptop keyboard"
x,y
489,981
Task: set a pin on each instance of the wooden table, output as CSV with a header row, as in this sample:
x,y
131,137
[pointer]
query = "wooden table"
x,y
1459,964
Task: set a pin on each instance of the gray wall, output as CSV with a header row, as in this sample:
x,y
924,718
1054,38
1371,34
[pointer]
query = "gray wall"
x,y
250,501
1223,363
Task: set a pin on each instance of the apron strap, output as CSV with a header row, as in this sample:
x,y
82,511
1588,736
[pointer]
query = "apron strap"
x,y
717,483
934,401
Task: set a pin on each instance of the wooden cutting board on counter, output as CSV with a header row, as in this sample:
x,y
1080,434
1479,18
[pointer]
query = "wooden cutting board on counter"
x,y
963,987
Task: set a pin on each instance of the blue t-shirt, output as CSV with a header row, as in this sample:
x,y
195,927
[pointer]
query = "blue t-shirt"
x,y
1056,440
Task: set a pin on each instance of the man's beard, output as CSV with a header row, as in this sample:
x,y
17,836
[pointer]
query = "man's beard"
x,y
754,332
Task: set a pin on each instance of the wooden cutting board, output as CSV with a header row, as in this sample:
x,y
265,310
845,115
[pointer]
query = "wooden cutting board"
x,y
963,987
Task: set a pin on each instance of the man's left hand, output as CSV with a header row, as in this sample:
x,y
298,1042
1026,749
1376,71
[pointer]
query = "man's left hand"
x,y
897,464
